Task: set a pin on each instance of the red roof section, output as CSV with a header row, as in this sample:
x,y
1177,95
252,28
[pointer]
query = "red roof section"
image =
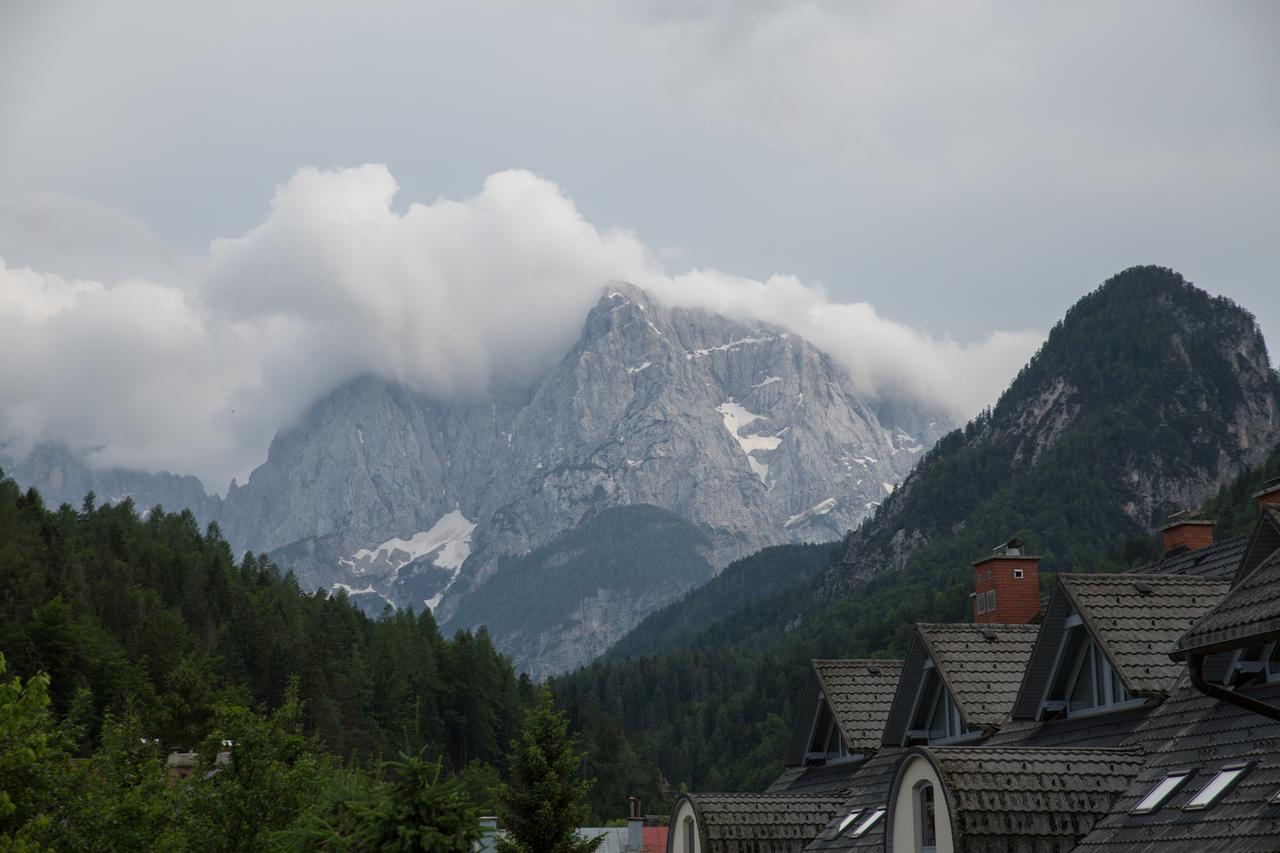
x,y
655,839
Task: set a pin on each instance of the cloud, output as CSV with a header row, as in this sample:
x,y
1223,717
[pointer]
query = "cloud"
x,y
986,96
450,297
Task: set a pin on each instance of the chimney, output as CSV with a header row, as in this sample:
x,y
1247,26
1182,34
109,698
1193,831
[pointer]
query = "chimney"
x,y
1007,586
1186,531
488,834
1270,494
635,827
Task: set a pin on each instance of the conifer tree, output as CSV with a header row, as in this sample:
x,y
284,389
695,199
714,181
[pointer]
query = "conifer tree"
x,y
543,806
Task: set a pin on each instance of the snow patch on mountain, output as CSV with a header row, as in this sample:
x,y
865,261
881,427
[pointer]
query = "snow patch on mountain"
x,y
448,542
736,417
820,508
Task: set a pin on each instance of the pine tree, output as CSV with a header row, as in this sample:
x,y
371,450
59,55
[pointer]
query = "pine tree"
x,y
543,806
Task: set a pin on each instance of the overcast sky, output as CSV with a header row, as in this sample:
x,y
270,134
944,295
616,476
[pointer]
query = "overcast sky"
x,y
940,180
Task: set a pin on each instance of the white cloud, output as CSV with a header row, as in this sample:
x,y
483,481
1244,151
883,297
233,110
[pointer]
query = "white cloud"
x,y
449,297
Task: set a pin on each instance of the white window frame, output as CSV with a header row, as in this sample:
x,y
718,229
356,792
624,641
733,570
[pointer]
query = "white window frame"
x,y
991,601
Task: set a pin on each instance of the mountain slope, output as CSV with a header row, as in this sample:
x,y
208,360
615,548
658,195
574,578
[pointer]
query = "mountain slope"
x,y
1147,397
744,431
567,601
760,576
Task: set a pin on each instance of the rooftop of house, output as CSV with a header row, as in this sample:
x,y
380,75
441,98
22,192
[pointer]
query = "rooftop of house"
x,y
1248,615
869,791
999,799
1195,734
981,665
1059,782
1215,562
859,693
761,823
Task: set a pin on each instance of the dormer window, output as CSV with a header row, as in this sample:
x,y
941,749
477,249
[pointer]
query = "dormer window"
x,y
936,716
1084,681
826,743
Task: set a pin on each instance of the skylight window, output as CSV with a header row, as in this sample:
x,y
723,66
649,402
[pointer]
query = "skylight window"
x,y
1217,787
848,819
1168,786
868,823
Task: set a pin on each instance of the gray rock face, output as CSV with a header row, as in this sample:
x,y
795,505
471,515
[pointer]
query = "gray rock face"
x,y
63,477
747,431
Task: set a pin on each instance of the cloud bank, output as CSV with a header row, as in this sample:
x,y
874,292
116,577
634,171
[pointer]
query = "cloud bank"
x,y
196,373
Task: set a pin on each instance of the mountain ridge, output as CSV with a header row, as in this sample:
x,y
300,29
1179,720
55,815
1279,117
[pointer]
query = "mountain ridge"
x,y
744,429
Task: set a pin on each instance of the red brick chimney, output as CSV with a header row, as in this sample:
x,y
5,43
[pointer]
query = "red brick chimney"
x,y
1186,531
1270,494
1006,586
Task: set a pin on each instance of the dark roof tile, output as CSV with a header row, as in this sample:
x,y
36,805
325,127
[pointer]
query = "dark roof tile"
x,y
761,823
1216,562
870,791
1190,731
1028,798
1137,618
982,666
859,693
1249,614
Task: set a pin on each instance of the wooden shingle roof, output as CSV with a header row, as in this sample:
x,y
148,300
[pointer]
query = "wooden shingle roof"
x,y
1028,799
1249,614
1216,562
869,791
982,666
859,693
760,823
1137,618
1191,731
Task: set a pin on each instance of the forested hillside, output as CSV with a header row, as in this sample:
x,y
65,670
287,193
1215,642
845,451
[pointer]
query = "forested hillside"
x,y
150,618
1147,398
684,624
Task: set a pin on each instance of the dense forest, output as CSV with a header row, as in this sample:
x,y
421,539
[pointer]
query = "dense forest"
x,y
146,624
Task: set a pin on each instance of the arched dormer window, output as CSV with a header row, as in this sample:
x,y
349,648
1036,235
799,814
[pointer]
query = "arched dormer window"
x,y
925,818
690,836
1084,680
826,743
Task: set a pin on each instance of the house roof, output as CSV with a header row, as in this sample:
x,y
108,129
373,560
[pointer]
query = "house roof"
x,y
815,778
1191,731
982,666
1137,618
1249,614
760,823
859,693
1215,562
1028,799
1263,542
869,791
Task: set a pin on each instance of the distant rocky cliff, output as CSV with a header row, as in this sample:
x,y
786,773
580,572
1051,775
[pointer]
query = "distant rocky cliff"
x,y
746,431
